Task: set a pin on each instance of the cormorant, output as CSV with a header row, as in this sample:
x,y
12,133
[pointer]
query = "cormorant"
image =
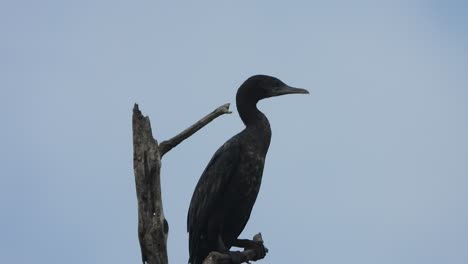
x,y
226,192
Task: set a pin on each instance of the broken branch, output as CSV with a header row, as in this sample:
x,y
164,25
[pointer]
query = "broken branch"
x,y
167,145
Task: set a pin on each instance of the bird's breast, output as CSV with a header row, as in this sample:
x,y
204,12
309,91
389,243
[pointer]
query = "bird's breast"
x,y
249,176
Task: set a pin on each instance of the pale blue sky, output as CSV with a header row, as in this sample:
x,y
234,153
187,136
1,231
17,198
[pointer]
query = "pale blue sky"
x,y
370,168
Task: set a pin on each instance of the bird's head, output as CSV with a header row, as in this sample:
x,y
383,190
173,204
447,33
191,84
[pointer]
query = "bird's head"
x,y
259,87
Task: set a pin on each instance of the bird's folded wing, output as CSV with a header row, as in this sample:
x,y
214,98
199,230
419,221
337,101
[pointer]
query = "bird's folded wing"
x,y
210,189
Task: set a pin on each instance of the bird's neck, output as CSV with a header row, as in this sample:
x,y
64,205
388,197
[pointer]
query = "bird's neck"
x,y
257,125
250,115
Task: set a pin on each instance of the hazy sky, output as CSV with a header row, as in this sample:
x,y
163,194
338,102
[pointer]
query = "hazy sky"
x,y
372,167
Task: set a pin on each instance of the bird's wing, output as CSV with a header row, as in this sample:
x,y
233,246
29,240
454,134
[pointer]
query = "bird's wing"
x,y
210,189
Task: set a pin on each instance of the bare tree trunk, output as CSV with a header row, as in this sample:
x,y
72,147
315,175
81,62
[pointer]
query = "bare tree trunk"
x,y
153,228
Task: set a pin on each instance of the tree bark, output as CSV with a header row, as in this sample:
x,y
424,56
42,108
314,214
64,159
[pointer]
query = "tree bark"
x,y
152,226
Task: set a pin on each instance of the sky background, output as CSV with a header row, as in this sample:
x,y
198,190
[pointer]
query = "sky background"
x,y
372,167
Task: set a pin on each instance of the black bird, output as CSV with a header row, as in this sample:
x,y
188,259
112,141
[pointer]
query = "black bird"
x,y
226,192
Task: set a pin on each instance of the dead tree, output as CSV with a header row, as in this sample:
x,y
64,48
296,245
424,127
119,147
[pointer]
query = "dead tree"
x,y
153,228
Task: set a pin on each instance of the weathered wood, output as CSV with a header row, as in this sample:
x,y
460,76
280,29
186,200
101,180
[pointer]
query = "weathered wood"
x,y
247,255
153,228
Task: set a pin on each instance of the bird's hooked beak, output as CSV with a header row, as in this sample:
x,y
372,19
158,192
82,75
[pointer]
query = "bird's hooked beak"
x,y
285,89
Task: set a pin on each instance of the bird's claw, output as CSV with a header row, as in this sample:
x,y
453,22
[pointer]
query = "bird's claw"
x,y
236,257
259,248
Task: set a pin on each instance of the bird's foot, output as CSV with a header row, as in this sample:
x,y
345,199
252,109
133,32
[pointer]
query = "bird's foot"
x,y
259,248
256,245
236,257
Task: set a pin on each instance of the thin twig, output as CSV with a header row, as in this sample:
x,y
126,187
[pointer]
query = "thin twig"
x,y
167,145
